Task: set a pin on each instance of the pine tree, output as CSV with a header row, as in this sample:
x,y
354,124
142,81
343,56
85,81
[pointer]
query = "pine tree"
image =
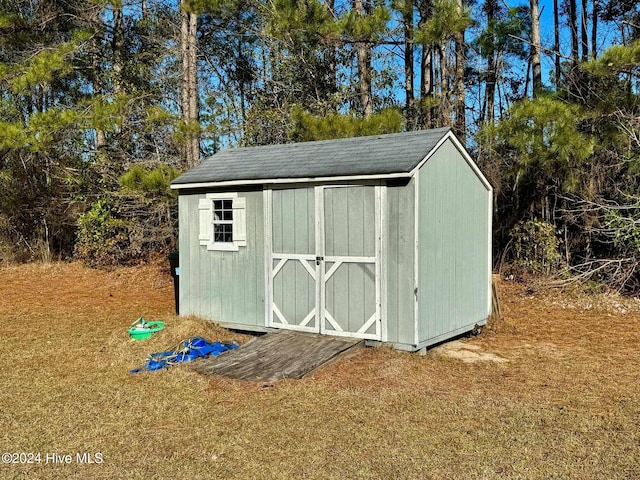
x,y
436,35
545,155
362,27
41,146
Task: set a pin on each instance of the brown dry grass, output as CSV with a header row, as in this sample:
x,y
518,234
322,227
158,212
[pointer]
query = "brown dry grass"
x,y
566,405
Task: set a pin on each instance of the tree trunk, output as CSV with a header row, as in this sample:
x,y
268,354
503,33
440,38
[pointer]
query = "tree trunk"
x,y
556,42
117,45
490,90
487,113
124,136
445,91
594,29
193,85
364,76
363,54
425,8
459,89
426,85
573,28
331,54
101,139
241,84
584,32
96,74
189,90
407,16
535,49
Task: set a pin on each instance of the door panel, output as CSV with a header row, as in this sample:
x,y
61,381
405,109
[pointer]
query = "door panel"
x,y
293,225
350,273
350,299
294,293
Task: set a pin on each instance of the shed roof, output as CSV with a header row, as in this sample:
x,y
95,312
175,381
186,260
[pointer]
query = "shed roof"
x,y
377,155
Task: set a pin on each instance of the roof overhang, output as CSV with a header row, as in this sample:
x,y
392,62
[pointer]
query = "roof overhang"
x,y
272,181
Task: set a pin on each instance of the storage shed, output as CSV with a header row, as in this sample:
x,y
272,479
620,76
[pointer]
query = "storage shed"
x,y
385,238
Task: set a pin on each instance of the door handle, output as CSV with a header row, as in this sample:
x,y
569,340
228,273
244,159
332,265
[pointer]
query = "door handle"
x,y
318,260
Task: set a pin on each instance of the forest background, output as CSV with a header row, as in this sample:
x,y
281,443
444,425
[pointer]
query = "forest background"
x,y
103,102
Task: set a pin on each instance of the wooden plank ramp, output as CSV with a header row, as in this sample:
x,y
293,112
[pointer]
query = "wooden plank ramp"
x,y
277,355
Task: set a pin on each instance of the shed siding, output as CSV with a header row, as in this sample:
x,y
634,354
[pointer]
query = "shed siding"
x,y
218,285
400,264
293,211
453,241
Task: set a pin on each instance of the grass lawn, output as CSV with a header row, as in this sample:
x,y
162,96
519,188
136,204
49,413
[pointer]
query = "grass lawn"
x,y
565,405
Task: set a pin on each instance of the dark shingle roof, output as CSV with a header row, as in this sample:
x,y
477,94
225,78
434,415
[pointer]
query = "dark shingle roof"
x,y
372,155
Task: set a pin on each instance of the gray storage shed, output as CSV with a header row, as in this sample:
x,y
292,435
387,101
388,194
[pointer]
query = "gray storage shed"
x,y
385,238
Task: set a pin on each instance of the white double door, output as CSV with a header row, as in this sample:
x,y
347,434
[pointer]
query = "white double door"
x,y
324,259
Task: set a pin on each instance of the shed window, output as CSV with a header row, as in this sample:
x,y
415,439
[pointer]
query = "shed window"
x,y
222,221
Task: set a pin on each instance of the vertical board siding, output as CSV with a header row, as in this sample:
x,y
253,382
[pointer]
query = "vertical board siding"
x,y
400,264
453,243
220,285
293,223
185,221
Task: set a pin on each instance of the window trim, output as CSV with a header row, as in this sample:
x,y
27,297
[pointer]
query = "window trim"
x,y
207,222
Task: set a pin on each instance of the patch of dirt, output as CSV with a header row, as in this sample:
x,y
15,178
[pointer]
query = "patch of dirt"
x,y
467,352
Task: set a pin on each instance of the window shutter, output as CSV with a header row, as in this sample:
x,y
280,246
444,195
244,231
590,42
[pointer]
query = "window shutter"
x,y
240,221
206,221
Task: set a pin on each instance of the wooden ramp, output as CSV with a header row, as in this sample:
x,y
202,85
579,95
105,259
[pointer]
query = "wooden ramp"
x,y
277,355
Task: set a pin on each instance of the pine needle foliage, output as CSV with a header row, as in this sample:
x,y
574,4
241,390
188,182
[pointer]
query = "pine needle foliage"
x,y
309,127
296,19
617,59
542,144
154,182
365,28
444,23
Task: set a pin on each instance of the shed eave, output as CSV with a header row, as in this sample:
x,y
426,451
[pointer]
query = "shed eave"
x,y
270,181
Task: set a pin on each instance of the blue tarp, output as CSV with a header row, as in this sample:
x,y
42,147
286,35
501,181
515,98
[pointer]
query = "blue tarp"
x,y
187,351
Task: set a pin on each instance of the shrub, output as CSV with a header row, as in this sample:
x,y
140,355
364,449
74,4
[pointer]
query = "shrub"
x,y
132,224
535,247
102,237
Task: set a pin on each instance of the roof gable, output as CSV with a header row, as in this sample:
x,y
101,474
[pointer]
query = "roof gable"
x,y
377,155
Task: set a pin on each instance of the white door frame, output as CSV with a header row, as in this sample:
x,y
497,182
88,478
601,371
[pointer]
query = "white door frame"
x,y
315,265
